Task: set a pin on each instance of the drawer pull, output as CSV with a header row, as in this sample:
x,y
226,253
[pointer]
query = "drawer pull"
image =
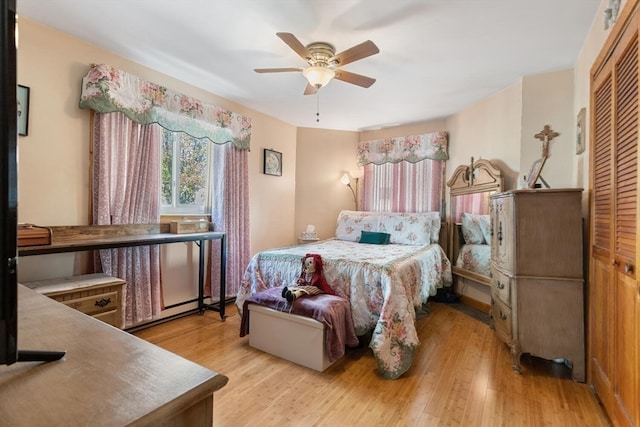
x,y
628,268
500,285
103,302
503,316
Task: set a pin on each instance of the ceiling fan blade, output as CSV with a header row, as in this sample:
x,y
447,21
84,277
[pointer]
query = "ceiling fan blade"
x,y
276,70
310,89
355,53
353,78
295,44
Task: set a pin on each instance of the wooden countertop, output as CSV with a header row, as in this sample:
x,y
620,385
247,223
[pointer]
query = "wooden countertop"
x,y
107,377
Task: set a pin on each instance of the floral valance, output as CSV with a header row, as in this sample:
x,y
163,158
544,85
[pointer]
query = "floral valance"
x,y
412,149
106,89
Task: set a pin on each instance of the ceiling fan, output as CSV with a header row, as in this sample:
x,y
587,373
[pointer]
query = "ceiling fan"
x,y
324,63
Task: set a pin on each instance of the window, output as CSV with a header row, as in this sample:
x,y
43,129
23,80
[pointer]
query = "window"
x,y
184,180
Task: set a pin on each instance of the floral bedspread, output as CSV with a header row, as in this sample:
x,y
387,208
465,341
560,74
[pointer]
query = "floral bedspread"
x,y
385,284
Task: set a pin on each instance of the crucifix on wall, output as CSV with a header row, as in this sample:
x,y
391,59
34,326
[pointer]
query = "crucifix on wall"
x,y
545,135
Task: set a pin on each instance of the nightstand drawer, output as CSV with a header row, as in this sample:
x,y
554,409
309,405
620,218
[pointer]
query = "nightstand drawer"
x,y
92,304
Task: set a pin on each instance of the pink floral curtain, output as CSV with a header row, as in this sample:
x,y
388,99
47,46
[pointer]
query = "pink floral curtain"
x,y
403,174
403,187
125,191
230,214
412,149
106,89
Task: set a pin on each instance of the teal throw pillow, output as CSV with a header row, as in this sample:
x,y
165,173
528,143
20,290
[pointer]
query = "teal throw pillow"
x,y
375,238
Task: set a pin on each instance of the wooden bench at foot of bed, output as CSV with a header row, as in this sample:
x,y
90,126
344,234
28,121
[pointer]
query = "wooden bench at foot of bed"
x,y
312,332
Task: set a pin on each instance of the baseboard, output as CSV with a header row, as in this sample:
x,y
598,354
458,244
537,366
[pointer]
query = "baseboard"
x,y
478,305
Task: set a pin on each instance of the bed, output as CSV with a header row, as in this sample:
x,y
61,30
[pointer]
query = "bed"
x,y
385,281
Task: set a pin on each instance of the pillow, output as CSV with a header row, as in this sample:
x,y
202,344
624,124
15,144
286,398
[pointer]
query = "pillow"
x,y
435,225
375,238
350,225
485,228
473,226
408,228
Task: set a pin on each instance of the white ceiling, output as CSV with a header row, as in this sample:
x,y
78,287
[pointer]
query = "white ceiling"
x,y
436,57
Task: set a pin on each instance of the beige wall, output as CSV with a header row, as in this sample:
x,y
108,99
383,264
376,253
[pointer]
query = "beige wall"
x,y
53,167
323,156
548,100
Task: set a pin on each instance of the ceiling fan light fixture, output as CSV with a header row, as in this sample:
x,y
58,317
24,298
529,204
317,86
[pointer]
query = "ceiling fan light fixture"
x,y
318,76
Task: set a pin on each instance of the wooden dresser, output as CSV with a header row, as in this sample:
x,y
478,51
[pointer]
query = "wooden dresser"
x,y
106,378
537,293
96,295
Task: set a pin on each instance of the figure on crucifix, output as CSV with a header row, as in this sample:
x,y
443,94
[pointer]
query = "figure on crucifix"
x,y
546,135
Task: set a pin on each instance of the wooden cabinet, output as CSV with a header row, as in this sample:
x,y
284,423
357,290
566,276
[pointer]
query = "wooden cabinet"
x,y
537,281
614,291
96,295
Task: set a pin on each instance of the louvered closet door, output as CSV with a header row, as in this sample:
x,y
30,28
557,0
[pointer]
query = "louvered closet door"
x,y
626,174
601,329
614,298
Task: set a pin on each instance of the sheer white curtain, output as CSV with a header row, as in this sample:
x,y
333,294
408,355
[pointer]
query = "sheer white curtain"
x,y
125,191
230,214
403,186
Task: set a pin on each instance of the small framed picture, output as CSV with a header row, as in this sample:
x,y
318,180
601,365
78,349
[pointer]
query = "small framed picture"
x,y
581,131
534,173
272,162
23,110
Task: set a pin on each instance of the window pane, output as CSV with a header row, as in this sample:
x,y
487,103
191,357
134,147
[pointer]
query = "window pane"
x,y
184,180
166,180
192,186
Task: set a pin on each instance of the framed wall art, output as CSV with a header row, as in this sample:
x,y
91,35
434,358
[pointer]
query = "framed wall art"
x,y
23,110
581,131
272,162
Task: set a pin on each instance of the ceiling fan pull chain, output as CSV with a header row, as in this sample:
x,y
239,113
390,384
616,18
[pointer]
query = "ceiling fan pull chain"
x,y
318,106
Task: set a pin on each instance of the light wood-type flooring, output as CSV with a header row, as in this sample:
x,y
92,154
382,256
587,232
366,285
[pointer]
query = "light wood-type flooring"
x,y
461,376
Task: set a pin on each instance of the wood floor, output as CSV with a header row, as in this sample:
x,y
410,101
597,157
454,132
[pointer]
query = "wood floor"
x,y
461,376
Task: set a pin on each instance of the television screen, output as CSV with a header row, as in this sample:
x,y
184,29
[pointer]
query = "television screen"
x,y
8,185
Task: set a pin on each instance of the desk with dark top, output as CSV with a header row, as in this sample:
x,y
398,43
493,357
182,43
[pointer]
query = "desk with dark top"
x,y
107,378
78,238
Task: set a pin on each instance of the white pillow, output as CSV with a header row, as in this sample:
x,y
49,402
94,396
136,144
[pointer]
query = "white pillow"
x,y
410,228
351,225
472,228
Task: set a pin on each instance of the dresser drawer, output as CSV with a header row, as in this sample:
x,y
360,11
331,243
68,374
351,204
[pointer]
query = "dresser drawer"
x,y
501,315
94,303
501,286
97,295
108,317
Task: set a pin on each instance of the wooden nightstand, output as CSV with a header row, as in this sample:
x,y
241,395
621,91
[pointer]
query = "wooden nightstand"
x,y
96,295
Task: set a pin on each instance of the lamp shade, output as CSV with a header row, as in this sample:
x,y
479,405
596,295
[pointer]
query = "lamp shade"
x,y
345,179
318,76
